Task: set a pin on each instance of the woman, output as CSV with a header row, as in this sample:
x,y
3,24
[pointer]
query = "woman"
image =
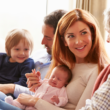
x,y
79,45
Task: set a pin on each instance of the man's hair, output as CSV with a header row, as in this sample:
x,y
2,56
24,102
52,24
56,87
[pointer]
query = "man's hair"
x,y
67,70
15,36
53,18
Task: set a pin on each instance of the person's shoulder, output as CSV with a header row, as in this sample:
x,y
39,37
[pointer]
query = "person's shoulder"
x,y
86,66
3,55
29,61
39,54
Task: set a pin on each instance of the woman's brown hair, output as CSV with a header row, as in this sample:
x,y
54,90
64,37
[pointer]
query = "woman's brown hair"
x,y
61,55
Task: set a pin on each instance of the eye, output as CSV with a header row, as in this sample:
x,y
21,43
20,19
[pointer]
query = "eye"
x,y
16,49
26,49
70,36
59,79
49,39
83,33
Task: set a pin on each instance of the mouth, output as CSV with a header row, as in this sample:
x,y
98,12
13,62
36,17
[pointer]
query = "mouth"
x,y
21,58
53,83
46,47
80,48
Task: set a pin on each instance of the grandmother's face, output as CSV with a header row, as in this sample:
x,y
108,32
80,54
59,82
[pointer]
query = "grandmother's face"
x,y
108,36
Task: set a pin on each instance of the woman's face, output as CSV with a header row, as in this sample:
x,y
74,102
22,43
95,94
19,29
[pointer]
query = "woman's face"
x,y
78,38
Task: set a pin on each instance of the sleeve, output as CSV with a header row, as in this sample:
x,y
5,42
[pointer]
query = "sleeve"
x,y
63,99
88,90
20,89
1,59
25,67
100,99
44,105
6,106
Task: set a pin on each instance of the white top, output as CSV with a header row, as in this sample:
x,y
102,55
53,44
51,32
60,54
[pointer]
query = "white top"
x,y
42,61
78,90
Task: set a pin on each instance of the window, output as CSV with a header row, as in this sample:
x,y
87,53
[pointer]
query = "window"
x,y
28,14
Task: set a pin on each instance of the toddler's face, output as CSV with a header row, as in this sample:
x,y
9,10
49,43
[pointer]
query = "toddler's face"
x,y
58,78
20,52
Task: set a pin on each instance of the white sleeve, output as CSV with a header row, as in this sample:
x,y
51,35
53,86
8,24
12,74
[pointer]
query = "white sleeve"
x,y
44,105
20,89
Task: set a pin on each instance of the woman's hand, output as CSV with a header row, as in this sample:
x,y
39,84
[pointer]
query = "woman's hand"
x,y
33,80
27,100
7,88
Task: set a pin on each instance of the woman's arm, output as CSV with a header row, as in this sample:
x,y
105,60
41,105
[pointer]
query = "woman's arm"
x,y
39,104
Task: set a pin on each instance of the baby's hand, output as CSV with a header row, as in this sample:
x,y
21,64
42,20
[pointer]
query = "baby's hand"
x,y
55,99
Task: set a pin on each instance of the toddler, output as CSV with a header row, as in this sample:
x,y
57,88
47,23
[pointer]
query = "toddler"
x,y
52,89
16,62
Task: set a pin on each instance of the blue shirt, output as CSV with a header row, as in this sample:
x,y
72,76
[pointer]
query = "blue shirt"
x,y
42,61
14,72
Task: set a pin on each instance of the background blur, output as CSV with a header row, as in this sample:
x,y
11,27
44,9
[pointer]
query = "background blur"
x,y
29,14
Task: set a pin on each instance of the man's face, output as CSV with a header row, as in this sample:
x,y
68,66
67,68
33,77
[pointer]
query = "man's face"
x,y
48,35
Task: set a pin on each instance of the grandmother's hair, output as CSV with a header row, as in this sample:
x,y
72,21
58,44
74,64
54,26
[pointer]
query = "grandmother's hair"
x,y
15,36
107,18
53,18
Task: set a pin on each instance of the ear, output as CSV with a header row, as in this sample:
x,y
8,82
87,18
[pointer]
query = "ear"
x,y
66,84
64,41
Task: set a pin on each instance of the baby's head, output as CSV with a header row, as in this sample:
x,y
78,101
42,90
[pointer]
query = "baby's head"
x,y
18,45
107,22
61,76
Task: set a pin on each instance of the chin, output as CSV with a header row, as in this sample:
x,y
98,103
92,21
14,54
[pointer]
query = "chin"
x,y
49,52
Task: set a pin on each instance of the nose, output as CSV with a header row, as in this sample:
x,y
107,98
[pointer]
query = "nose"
x,y
44,41
22,52
54,79
108,38
78,40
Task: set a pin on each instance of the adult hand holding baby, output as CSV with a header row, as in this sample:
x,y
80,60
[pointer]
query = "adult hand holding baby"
x,y
33,80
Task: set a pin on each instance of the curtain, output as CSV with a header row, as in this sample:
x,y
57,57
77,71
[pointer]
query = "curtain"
x,y
83,4
95,7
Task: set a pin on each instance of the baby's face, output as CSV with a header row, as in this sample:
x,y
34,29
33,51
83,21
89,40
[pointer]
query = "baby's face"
x,y
58,78
108,36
